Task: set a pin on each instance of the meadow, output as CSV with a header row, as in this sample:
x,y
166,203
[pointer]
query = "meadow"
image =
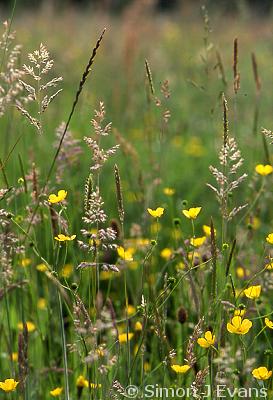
x,y
135,189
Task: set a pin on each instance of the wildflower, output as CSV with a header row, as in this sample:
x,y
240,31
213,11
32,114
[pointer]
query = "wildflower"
x,y
261,373
142,242
53,198
147,366
268,323
180,266
131,310
42,267
30,326
207,341
66,271
269,238
106,275
168,191
240,312
192,213
254,222
180,369
194,147
156,213
197,242
95,385
264,169
253,292
138,326
25,262
63,238
56,392
41,303
194,255
14,356
9,385
166,253
82,382
122,337
126,255
207,230
240,272
239,326
269,265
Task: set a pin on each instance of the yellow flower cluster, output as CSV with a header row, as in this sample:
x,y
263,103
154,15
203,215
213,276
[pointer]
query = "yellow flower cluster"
x,y
53,198
207,341
64,238
261,373
56,392
192,213
180,369
264,170
9,385
239,326
157,213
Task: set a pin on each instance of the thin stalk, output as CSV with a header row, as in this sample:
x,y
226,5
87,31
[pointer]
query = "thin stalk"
x,y
66,382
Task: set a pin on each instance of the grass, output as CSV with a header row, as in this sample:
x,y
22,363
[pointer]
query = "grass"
x,y
90,332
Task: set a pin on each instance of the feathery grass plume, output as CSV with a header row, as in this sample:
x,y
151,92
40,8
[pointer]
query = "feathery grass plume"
x,y
190,354
117,390
102,238
228,179
23,357
119,194
267,133
10,75
82,322
88,190
99,156
198,383
3,193
9,247
69,153
236,74
38,69
220,65
87,71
